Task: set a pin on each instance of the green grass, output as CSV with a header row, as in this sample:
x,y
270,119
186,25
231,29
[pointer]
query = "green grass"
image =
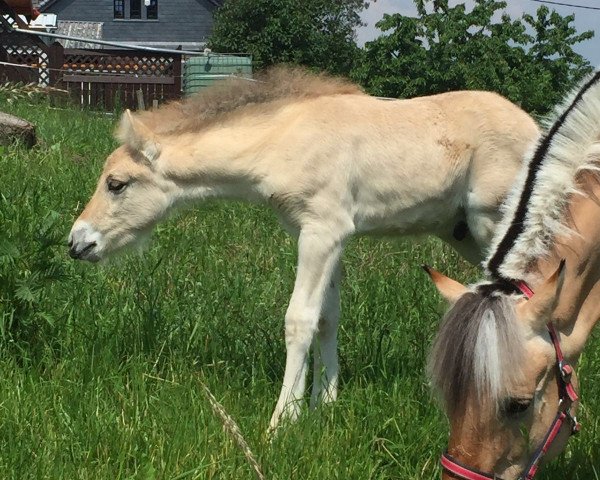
x,y
100,367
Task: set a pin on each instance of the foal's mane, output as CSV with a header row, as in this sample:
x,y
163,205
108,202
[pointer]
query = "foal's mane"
x,y
480,345
266,91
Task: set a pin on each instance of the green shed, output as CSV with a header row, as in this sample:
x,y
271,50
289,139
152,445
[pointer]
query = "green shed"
x,y
203,71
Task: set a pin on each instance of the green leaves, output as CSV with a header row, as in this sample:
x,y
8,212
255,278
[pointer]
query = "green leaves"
x,y
314,33
8,251
529,60
29,266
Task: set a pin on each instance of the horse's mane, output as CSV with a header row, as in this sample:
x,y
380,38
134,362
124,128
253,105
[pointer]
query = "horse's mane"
x,y
480,345
477,349
234,95
535,212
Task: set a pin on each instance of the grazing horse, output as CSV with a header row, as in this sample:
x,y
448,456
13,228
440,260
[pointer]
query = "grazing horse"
x,y
331,162
504,355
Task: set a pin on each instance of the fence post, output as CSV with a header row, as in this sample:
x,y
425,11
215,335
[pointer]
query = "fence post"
x,y
56,60
177,59
4,69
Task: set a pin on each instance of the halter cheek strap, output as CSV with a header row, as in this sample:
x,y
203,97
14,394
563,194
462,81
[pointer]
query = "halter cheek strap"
x,y
567,395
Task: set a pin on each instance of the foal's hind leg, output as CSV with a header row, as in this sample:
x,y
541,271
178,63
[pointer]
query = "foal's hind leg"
x,y
318,255
325,372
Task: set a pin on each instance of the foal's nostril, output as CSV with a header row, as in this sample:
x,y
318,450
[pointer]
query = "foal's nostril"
x,y
89,246
77,253
73,253
70,243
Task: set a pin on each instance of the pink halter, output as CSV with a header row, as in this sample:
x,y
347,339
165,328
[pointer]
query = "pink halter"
x,y
567,395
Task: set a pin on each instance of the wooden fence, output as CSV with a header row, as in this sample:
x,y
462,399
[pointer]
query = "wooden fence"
x,y
111,78
104,78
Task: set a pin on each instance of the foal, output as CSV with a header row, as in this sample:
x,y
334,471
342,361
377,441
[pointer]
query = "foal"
x,y
331,162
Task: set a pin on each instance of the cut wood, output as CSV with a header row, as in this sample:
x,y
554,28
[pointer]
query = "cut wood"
x,y
16,129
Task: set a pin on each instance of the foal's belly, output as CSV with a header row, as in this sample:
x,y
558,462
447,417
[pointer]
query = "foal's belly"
x,y
431,216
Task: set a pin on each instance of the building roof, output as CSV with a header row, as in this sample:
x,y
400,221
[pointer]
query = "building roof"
x,y
43,4
79,29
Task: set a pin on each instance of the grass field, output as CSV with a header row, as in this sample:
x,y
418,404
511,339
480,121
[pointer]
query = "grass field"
x,y
101,367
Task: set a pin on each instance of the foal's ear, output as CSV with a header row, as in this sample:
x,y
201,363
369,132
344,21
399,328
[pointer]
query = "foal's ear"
x,y
537,311
137,136
450,289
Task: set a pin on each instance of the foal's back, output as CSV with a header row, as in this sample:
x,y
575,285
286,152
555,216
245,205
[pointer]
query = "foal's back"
x,y
439,165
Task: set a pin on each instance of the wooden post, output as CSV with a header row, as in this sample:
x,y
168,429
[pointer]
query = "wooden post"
x,y
5,9
56,60
4,69
139,94
177,59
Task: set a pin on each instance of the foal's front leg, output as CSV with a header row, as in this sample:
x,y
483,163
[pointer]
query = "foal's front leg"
x,y
318,255
325,370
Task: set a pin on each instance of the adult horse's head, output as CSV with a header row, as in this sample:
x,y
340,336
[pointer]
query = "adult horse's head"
x,y
502,361
130,198
495,365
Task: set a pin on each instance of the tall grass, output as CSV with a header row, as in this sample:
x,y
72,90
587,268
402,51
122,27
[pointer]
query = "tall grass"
x,y
101,368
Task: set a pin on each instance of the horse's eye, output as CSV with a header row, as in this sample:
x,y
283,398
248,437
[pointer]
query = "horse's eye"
x,y
115,186
516,406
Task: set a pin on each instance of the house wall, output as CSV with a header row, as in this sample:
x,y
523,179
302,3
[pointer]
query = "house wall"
x,y
178,21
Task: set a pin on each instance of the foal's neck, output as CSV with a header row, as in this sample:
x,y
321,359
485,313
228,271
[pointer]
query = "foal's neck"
x,y
221,162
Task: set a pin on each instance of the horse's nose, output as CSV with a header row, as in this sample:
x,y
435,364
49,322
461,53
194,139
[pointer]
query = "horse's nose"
x,y
78,250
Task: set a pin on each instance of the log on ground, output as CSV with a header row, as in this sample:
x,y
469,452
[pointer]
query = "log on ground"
x,y
13,129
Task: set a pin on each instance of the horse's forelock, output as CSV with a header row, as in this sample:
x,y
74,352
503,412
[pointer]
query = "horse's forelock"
x,y
478,350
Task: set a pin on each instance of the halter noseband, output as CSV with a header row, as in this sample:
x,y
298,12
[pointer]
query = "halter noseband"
x,y
567,395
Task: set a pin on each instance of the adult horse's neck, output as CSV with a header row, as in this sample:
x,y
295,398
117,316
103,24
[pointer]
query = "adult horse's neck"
x,y
578,306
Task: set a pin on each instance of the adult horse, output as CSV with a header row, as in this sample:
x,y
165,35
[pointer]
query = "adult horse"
x,y
332,162
503,360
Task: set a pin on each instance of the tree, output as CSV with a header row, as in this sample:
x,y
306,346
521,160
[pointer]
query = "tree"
x,y
558,67
529,60
314,33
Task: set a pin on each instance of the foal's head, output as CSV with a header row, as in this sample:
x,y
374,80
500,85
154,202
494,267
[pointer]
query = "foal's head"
x,y
495,368
131,196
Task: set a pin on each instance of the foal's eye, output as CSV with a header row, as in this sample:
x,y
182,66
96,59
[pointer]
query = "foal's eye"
x,y
516,406
115,186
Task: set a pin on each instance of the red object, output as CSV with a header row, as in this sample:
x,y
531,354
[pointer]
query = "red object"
x,y
22,7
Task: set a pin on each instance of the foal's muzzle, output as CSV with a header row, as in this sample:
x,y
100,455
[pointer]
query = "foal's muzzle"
x,y
84,242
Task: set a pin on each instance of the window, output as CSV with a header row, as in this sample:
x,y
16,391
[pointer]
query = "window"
x,y
135,9
152,10
119,11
